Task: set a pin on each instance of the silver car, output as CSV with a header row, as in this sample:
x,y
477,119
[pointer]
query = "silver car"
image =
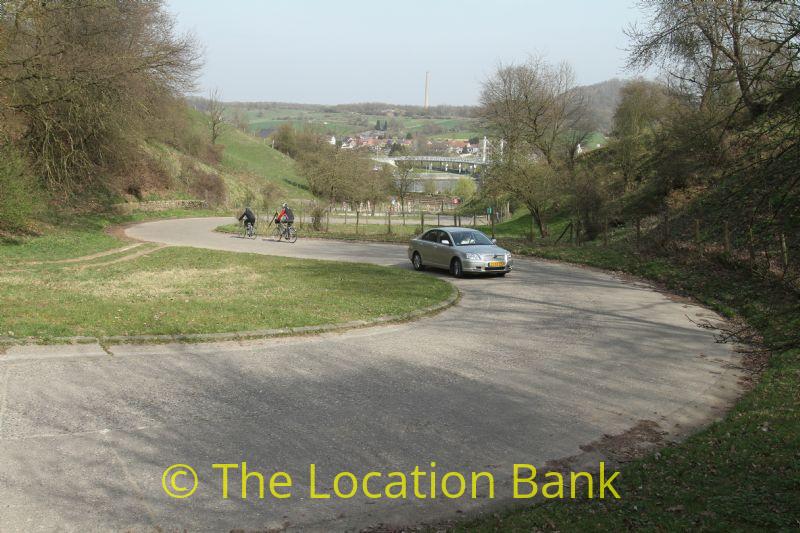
x,y
459,250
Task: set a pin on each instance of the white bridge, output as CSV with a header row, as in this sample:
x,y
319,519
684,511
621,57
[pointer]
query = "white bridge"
x,y
439,163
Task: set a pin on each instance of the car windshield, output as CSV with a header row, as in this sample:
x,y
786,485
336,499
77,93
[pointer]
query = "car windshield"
x,y
470,238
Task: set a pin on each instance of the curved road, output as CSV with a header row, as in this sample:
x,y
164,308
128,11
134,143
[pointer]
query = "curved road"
x,y
531,368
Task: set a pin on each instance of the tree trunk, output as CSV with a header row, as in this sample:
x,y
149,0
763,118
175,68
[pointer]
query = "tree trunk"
x,y
537,218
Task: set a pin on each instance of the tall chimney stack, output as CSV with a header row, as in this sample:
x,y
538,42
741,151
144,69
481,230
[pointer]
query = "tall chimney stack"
x,y
427,86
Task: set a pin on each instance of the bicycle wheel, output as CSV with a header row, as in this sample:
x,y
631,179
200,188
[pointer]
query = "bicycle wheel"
x,y
251,231
277,233
291,234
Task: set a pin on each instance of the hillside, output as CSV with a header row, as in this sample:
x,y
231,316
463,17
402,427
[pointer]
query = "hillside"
x,y
602,99
240,169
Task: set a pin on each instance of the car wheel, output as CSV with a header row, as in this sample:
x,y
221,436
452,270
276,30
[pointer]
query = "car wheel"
x,y
456,268
416,260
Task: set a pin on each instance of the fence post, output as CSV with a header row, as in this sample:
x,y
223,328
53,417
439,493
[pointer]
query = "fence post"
x,y
605,232
421,218
474,221
726,235
358,216
328,221
638,232
438,219
345,218
389,221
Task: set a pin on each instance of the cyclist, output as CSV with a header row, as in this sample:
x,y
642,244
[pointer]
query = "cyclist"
x,y
286,216
248,216
284,221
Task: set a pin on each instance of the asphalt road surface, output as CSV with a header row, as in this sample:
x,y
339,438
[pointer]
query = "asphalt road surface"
x,y
529,368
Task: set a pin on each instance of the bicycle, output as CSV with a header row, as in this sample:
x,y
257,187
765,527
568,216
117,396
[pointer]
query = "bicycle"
x,y
284,232
248,230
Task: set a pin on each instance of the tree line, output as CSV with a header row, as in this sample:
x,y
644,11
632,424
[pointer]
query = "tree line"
x,y
82,83
715,137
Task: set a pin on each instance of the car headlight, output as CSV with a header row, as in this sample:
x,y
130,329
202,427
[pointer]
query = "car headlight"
x,y
508,256
473,257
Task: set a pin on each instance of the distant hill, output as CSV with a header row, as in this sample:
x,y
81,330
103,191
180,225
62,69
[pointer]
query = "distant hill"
x,y
603,98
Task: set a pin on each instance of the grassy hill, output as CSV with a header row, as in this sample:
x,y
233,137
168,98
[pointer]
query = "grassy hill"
x,y
250,163
239,169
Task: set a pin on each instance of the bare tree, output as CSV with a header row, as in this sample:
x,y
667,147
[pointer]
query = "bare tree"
x,y
404,180
82,82
639,115
715,47
532,183
216,115
533,104
535,108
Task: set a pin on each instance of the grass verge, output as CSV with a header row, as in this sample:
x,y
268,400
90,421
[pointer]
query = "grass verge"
x,y
167,291
68,236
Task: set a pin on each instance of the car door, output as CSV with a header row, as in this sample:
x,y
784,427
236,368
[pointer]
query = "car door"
x,y
426,248
442,249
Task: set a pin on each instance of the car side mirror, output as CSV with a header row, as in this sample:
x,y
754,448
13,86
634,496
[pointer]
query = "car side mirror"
x,y
446,242
494,241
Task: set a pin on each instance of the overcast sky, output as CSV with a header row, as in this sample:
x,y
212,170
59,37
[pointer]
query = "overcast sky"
x,y
328,52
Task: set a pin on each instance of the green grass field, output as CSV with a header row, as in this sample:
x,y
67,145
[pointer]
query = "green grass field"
x,y
254,162
77,280
249,166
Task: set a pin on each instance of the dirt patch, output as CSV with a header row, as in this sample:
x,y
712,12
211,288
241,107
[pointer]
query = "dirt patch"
x,y
631,444
85,257
129,257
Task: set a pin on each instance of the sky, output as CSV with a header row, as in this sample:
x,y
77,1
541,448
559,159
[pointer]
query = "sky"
x,y
330,52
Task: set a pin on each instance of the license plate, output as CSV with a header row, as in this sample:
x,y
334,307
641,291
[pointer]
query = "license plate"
x,y
493,264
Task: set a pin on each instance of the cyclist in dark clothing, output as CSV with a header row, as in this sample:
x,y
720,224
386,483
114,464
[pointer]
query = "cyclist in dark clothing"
x,y
249,216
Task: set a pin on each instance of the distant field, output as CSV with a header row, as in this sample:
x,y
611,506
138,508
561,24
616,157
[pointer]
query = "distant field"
x,y
595,139
350,123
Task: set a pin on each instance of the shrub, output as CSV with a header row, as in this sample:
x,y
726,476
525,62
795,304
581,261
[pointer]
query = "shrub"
x,y
269,192
317,214
209,187
19,197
